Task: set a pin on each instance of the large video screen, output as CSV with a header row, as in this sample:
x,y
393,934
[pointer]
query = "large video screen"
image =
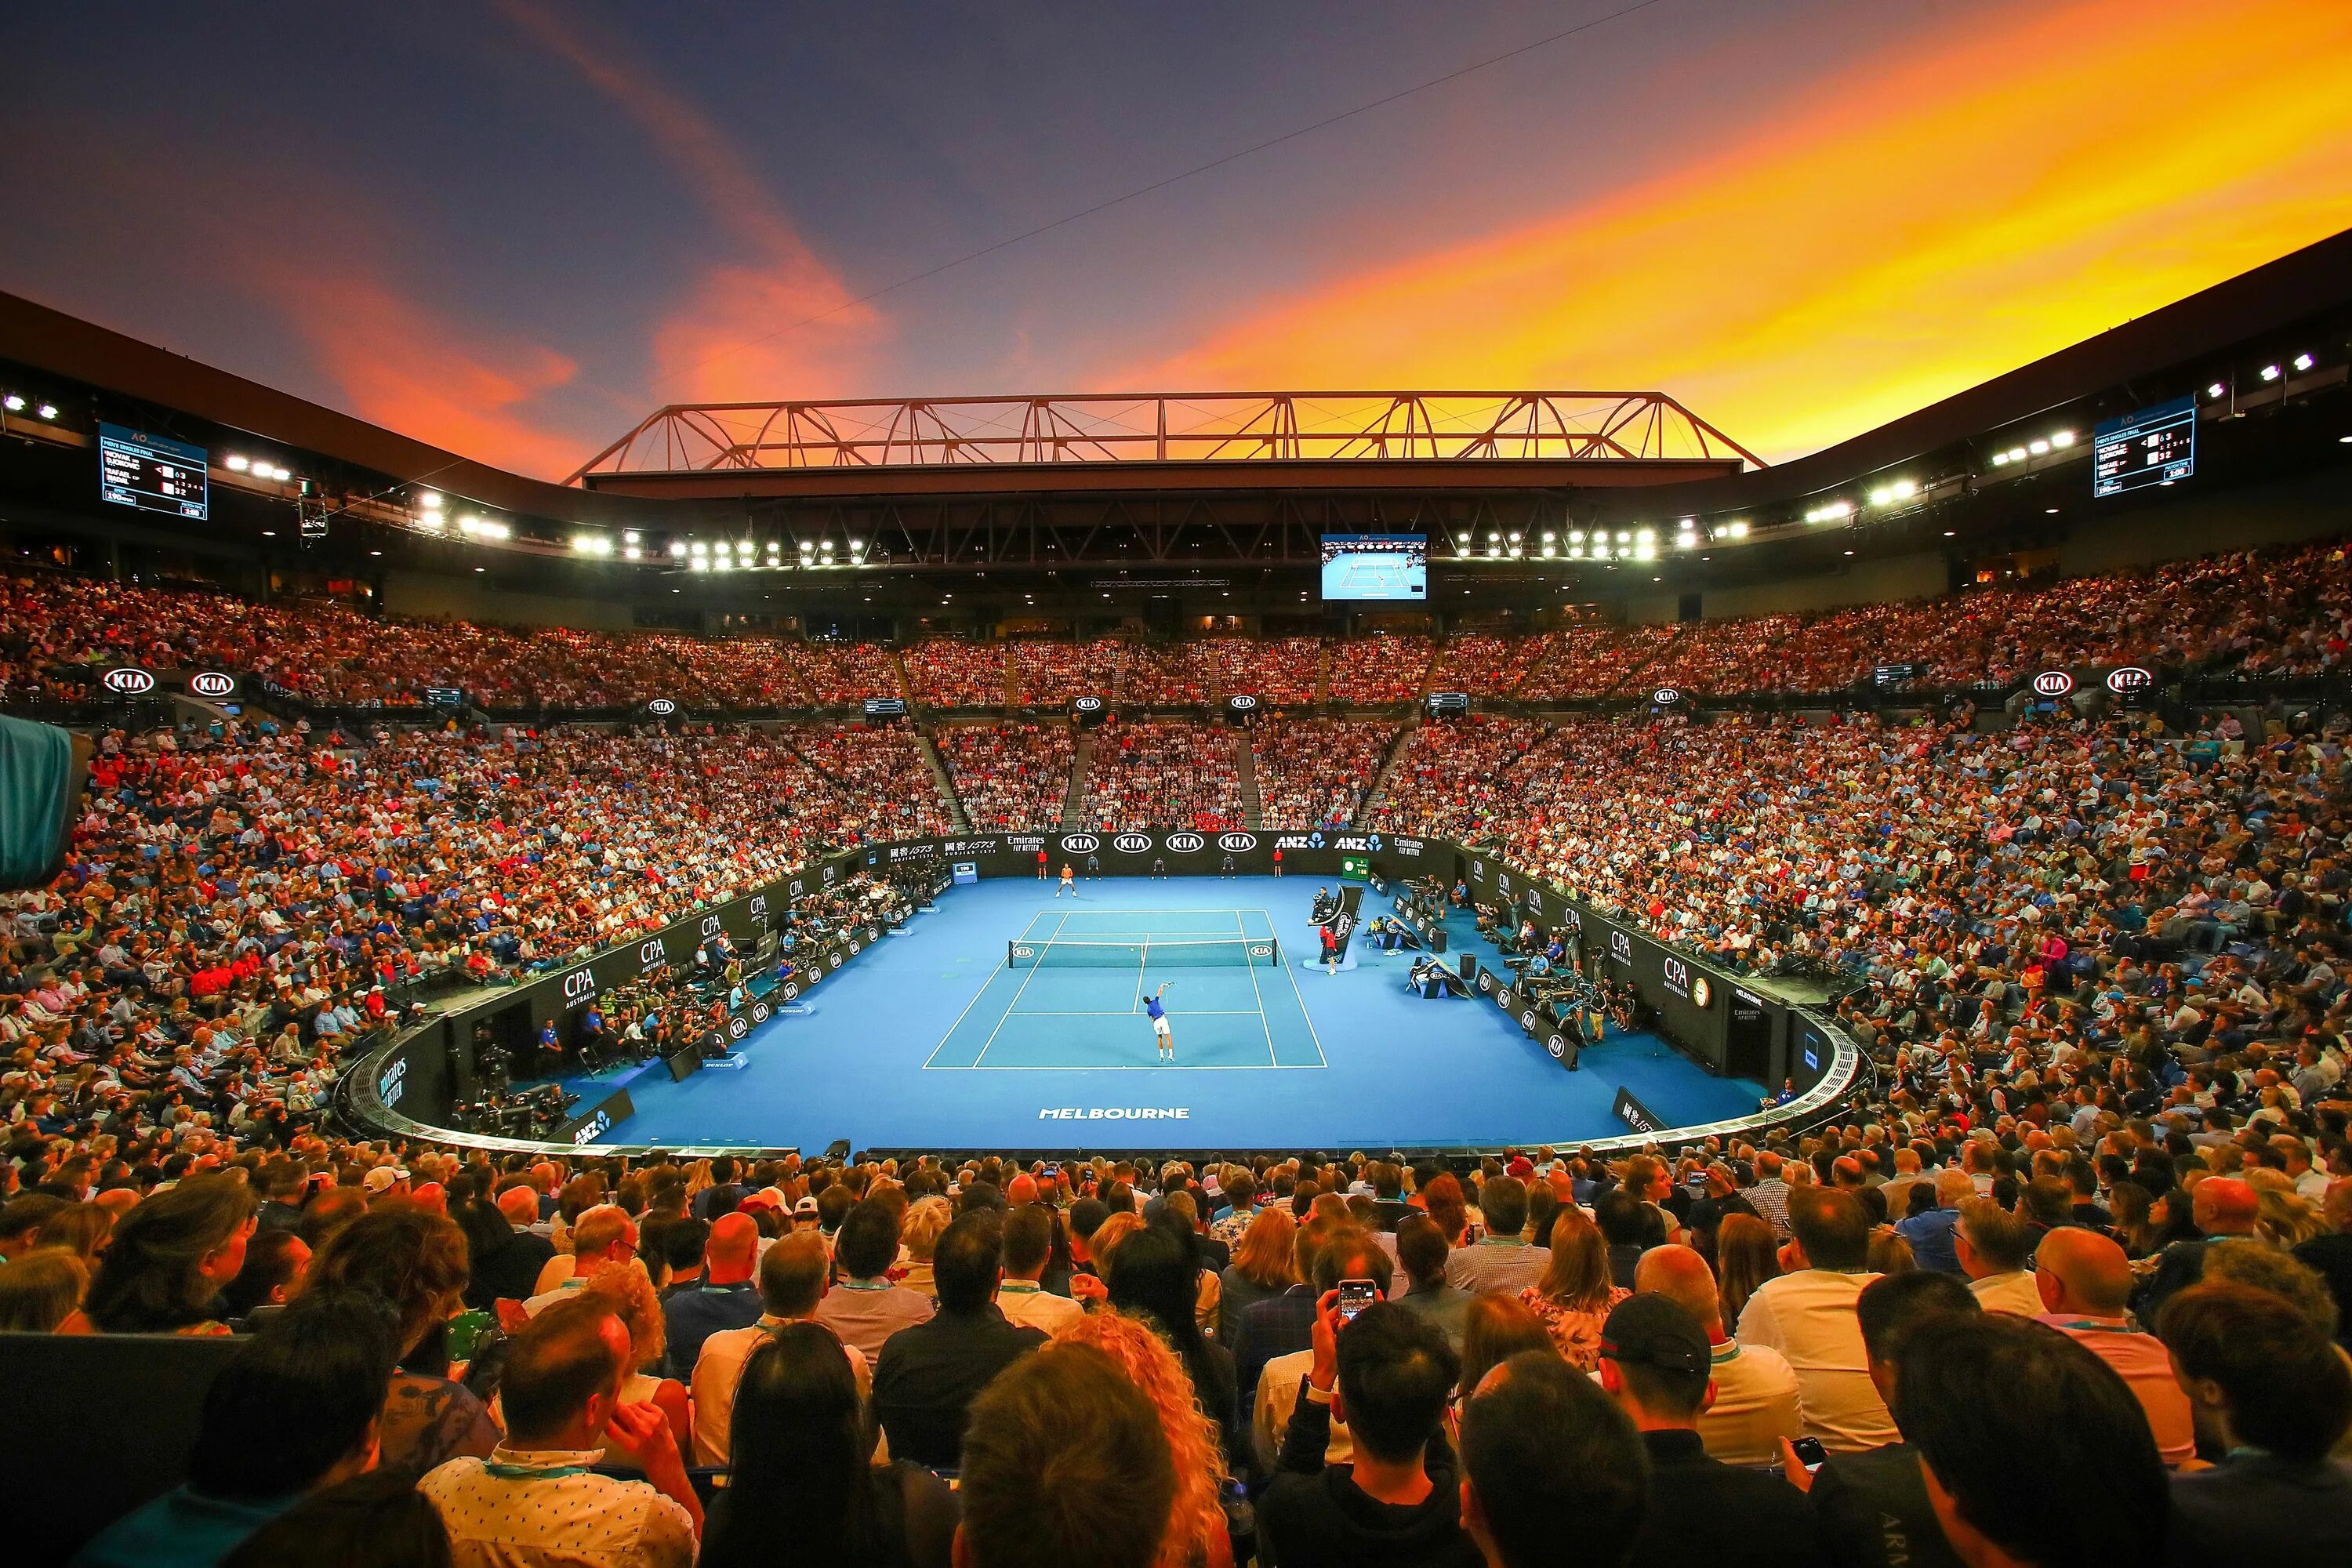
x,y
153,474
1376,566
2154,446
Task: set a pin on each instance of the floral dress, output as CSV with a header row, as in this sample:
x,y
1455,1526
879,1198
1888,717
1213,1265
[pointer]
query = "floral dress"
x,y
1575,1329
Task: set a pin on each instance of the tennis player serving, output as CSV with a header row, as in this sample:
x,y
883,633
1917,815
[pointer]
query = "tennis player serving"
x,y
1159,1012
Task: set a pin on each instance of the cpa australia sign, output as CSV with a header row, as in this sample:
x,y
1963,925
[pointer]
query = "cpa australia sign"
x,y
129,681
1186,843
210,683
2052,683
1131,843
579,984
1237,843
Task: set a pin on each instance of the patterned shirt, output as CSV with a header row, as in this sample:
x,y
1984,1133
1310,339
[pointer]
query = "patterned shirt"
x,y
1575,1329
548,1508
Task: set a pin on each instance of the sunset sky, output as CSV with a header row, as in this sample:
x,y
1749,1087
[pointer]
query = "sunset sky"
x,y
515,227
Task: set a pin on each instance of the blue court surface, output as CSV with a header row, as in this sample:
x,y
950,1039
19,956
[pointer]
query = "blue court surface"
x,y
1012,1020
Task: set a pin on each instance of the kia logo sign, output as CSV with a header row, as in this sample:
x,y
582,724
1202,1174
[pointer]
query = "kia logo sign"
x,y
1131,843
1556,1043
129,682
788,991
1088,704
737,1028
1527,1020
1081,843
578,983
2052,683
1666,697
210,683
1237,843
759,1012
662,707
2129,679
1242,702
1186,843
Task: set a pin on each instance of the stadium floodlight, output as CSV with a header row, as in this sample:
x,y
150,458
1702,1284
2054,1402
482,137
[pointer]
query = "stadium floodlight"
x,y
1550,537
1904,490
631,552
1686,542
806,548
13,402
1494,550
1492,536
631,536
678,550
742,547
2304,362
1738,531
2062,437
1576,536
430,501
2270,373
2017,454
236,464
47,411
1646,536
1550,550
1646,551
700,564
699,548
2216,390
1576,552
2039,448
826,545
2000,459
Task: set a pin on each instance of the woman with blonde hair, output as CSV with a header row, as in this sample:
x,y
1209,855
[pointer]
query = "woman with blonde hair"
x,y
1196,1535
2283,1216
1744,1257
1262,1266
625,1283
926,1220
40,1290
1576,1292
1889,1253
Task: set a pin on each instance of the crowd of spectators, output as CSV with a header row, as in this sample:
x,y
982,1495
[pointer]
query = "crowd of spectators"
x,y
1591,661
1009,775
1449,777
845,674
1165,673
1385,667
1162,773
1487,665
955,672
1279,671
879,772
1049,672
1313,773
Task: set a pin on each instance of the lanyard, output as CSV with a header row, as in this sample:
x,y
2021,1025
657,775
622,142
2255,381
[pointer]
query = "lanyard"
x,y
507,1473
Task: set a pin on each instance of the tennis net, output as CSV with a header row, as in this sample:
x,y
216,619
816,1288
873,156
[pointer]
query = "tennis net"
x,y
1139,953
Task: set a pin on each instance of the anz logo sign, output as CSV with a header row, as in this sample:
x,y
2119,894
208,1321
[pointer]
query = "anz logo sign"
x,y
129,682
1237,843
580,985
1131,843
1621,947
212,683
1186,843
1080,843
651,954
595,1127
1298,841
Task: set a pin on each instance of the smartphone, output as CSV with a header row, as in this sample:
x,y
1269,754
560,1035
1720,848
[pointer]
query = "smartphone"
x,y
1810,1454
1355,1295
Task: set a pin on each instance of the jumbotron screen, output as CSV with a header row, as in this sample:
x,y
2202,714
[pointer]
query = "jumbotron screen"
x,y
2154,446
1376,566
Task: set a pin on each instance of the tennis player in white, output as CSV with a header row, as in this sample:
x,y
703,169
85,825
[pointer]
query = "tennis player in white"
x,y
1151,1005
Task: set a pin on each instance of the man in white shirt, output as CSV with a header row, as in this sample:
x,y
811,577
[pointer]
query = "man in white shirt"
x,y
1755,1389
537,1501
1993,1245
1808,1316
1028,1244
793,1277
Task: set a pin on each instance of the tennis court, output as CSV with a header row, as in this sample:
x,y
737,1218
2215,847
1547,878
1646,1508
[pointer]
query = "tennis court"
x,y
1070,991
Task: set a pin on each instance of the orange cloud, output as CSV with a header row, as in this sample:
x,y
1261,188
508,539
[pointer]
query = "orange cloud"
x,y
403,365
1975,197
744,331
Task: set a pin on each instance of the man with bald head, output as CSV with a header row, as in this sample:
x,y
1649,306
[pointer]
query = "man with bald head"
x,y
2084,1281
1755,1388
726,1299
511,1272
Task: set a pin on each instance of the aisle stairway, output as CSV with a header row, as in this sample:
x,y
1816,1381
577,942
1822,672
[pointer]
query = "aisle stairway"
x,y
946,781
898,666
1397,744
1074,799
1323,672
1245,770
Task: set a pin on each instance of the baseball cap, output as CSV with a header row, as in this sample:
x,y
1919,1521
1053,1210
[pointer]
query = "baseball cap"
x,y
805,1206
1655,1331
382,1179
1520,1168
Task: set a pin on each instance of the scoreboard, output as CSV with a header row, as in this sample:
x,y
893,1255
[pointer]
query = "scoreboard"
x,y
136,469
2153,446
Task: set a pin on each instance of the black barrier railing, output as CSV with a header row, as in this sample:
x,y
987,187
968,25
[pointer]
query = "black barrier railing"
x,y
407,1088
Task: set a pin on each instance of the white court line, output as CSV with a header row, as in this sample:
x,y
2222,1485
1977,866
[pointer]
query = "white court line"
x,y
1242,1066
1303,1013
975,999
1017,995
1131,1012
1273,1058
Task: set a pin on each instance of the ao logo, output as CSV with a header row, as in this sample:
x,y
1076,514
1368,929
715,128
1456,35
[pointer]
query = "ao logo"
x,y
1186,843
1086,704
1666,697
1131,843
651,952
2129,680
1081,843
737,1028
2052,683
1556,1043
663,706
1237,843
1245,701
129,682
578,983
210,683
